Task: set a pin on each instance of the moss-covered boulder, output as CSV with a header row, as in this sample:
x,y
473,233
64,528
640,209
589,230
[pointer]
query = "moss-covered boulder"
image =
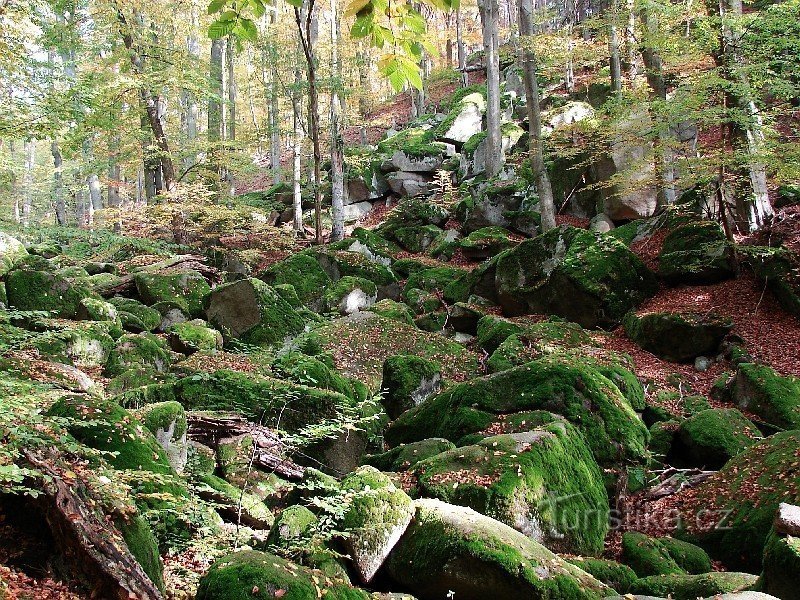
x,y
105,425
485,243
760,390
407,381
617,576
712,437
11,252
392,309
143,545
679,337
193,336
349,295
253,575
452,549
200,460
417,238
782,554
696,253
42,290
294,524
405,456
544,483
691,587
493,330
743,498
251,311
376,515
94,309
185,288
304,273
662,556
343,263
557,384
167,422
143,351
83,344
234,504
134,315
314,372
576,274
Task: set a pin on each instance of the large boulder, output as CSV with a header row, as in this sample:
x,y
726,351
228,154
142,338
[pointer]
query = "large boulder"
x,y
544,483
251,311
731,513
167,422
696,253
410,184
760,390
662,556
184,288
690,587
782,554
407,381
465,120
303,272
485,242
711,438
564,385
585,277
679,337
405,456
133,315
454,551
349,295
42,290
11,252
376,515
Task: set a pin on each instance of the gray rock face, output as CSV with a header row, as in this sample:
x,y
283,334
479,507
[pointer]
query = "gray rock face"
x,y
474,163
354,212
11,252
469,120
409,184
787,521
601,223
400,161
373,186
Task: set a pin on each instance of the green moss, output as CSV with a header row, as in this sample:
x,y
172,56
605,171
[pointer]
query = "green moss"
x,y
415,142
432,279
536,340
690,558
39,290
678,337
647,556
134,315
514,478
106,426
712,437
781,565
144,547
416,238
288,292
393,310
186,288
407,381
312,372
294,524
337,291
473,142
200,460
662,434
761,390
695,253
163,416
486,242
406,456
615,575
139,351
84,344
94,309
253,511
303,272
691,587
190,337
494,330
577,391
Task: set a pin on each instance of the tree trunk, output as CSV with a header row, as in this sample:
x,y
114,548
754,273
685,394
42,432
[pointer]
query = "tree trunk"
x,y
613,49
189,99
215,98
460,50
114,173
337,144
543,187
231,81
297,145
306,28
491,43
27,181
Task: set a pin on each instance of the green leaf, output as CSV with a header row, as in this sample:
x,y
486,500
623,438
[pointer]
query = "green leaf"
x,y
219,29
247,30
296,3
259,10
362,27
216,6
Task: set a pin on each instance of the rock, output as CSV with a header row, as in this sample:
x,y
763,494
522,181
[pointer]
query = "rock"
x,y
184,288
355,211
194,336
200,460
613,574
601,223
251,311
543,483
11,252
782,555
393,310
695,253
410,184
170,316
341,263
718,517
83,344
349,295
375,517
563,385
711,438
566,115
702,363
234,504
143,351
94,309
254,575
454,550
417,238
45,291
691,587
366,183
678,337
587,278
69,378
473,153
294,524
134,315
760,390
406,456
167,422
485,242
305,273
400,161
465,120
313,372
463,318
662,556
414,211
408,381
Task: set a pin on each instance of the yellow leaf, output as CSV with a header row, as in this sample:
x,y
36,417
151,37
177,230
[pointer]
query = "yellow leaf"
x,y
355,6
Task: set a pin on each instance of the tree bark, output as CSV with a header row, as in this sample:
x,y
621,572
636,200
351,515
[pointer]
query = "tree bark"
x,y
337,143
489,19
27,181
615,64
543,187
58,184
297,146
460,50
231,83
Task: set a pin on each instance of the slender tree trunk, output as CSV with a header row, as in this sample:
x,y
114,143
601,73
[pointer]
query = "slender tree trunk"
x,y
215,110
491,43
27,181
460,50
58,184
613,49
630,42
337,144
189,100
543,187
307,30
297,146
231,81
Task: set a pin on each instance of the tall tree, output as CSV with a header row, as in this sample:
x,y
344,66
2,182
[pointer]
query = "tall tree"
x,y
337,143
491,44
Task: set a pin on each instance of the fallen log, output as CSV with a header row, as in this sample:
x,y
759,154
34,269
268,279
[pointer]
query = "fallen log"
x,y
674,480
269,452
91,546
